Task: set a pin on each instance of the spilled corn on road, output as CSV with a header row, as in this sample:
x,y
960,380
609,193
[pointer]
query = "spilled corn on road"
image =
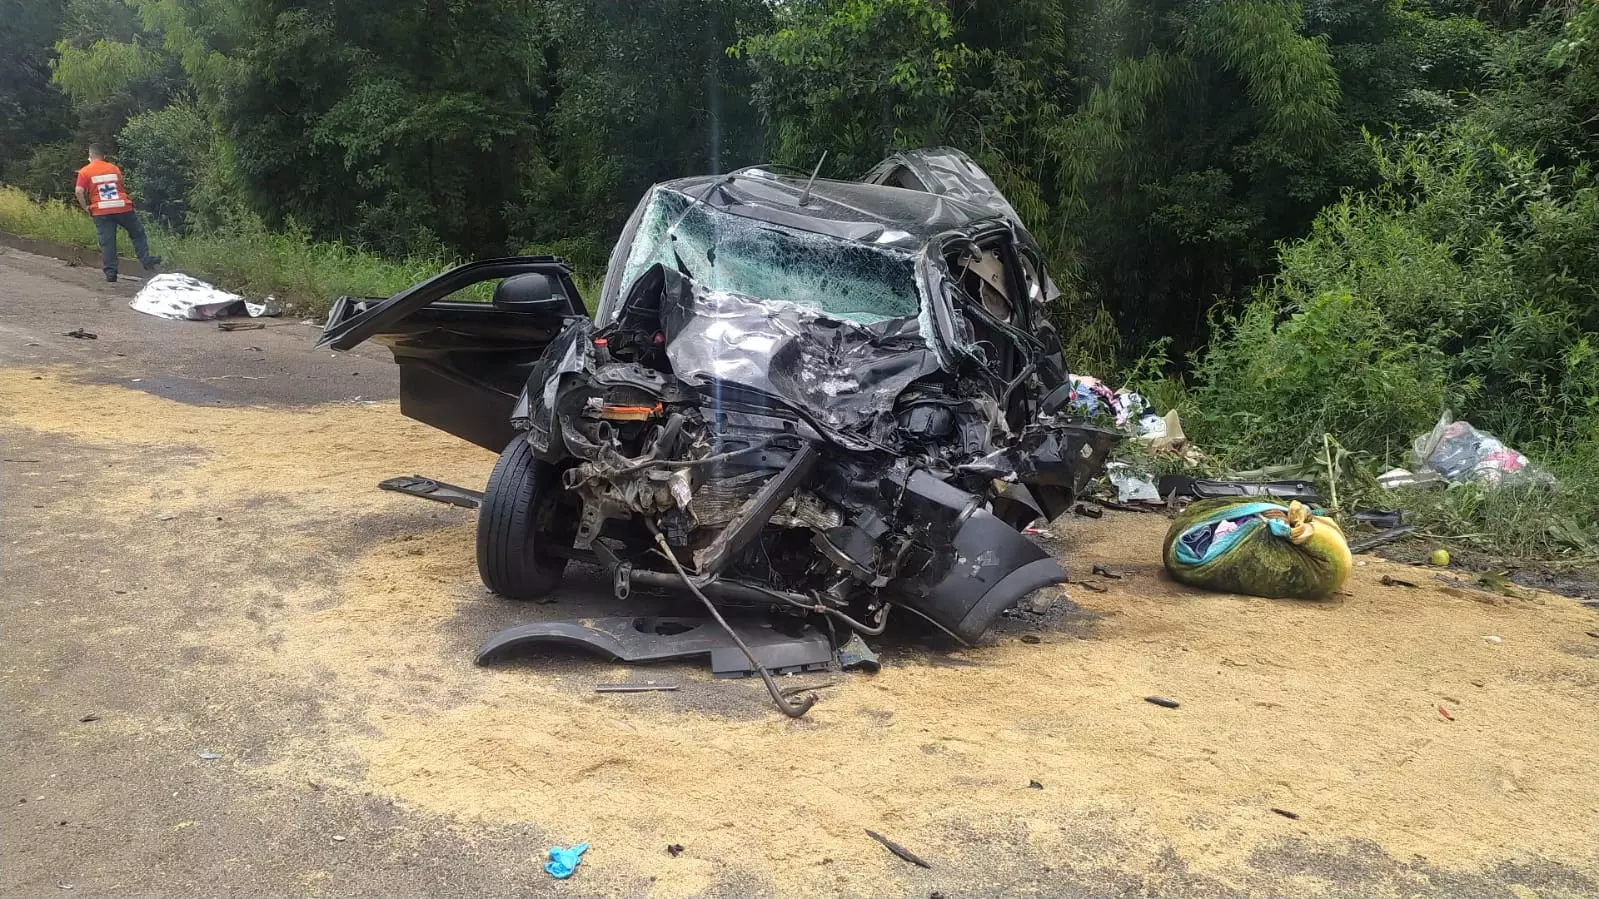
x,y
232,667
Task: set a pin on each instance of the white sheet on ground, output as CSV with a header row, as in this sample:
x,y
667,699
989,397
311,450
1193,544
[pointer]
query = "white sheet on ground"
x,y
171,295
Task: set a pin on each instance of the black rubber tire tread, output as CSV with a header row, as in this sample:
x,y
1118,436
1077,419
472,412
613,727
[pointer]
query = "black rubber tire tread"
x,y
508,556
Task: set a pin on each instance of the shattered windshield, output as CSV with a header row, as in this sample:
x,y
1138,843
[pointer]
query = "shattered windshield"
x,y
723,252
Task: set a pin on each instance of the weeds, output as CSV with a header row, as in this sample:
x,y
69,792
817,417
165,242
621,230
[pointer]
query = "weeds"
x,y
305,274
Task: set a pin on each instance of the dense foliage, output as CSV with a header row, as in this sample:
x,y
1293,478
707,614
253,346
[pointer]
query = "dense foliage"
x,y
1338,217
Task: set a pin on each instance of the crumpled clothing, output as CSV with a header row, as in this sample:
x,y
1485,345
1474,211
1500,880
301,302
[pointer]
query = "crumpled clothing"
x,y
564,861
1129,408
1090,396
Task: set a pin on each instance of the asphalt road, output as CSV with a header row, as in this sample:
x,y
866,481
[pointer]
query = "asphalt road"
x,y
141,757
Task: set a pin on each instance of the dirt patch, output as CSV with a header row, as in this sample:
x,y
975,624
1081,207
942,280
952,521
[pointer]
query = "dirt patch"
x,y
1328,710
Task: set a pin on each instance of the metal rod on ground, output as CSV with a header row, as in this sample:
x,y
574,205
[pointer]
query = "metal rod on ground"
x,y
897,849
1387,536
635,688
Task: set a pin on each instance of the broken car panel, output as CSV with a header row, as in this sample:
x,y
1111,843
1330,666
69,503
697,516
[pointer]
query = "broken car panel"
x,y
829,398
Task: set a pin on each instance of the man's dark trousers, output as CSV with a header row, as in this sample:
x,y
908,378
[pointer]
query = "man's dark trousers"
x,y
105,228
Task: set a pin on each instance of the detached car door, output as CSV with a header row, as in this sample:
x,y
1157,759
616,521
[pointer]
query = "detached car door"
x,y
463,364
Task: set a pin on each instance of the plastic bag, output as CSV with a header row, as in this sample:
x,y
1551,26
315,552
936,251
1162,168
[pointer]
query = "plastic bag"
x,y
1259,548
1131,486
1462,453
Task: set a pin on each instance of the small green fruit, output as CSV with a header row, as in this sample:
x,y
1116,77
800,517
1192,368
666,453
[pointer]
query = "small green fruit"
x,y
1440,558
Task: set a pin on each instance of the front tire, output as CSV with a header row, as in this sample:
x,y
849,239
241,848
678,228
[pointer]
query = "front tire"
x,y
520,519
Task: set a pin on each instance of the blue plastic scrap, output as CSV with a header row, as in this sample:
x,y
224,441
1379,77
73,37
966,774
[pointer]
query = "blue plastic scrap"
x,y
564,861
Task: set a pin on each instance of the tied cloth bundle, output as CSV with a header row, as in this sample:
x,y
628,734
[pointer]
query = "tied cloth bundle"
x,y
1241,545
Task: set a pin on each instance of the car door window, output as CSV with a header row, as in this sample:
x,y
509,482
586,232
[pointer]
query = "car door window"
x,y
988,293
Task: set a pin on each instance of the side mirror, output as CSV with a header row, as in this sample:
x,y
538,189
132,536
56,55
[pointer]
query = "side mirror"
x,y
531,292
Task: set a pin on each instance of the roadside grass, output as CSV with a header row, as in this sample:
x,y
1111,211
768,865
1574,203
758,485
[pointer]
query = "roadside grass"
x,y
57,222
1526,525
306,275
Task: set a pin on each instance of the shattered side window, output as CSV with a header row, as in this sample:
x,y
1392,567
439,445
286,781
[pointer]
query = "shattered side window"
x,y
725,252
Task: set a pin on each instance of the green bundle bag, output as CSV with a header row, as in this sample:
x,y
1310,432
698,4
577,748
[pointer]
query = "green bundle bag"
x,y
1260,548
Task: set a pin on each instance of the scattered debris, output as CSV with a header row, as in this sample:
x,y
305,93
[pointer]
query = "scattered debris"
x,y
1292,816
1090,585
438,491
1088,511
1031,638
82,334
1198,488
1258,547
635,688
564,861
62,884
855,655
898,850
165,516
1383,519
1034,785
339,838
1593,634
1454,452
1391,581
240,326
1492,638
1499,582
1131,486
210,756
1107,572
1439,558
184,298
674,850
89,717
1445,712
1404,478
803,688
633,639
1129,507
1376,540
1162,701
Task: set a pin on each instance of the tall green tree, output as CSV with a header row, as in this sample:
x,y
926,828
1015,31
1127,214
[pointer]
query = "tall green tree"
x,y
633,97
33,112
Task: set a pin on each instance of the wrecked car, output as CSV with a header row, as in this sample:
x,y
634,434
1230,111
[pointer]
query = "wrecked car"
x,y
831,399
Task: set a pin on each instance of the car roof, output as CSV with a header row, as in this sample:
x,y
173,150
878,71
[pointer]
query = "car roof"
x,y
850,210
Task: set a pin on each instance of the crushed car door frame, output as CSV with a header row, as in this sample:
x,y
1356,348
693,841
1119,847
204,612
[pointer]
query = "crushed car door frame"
x,y
463,364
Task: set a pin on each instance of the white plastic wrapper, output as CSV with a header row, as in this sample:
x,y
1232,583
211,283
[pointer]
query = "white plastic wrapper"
x,y
175,296
1131,486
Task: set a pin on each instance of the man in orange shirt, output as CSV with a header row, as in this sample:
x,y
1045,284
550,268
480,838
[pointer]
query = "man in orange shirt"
x,y
101,194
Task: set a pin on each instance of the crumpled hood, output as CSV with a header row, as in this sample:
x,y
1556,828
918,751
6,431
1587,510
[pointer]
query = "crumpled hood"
x,y
842,374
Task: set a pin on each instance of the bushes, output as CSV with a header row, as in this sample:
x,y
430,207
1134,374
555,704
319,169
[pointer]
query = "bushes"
x,y
1269,388
1468,280
50,170
161,152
